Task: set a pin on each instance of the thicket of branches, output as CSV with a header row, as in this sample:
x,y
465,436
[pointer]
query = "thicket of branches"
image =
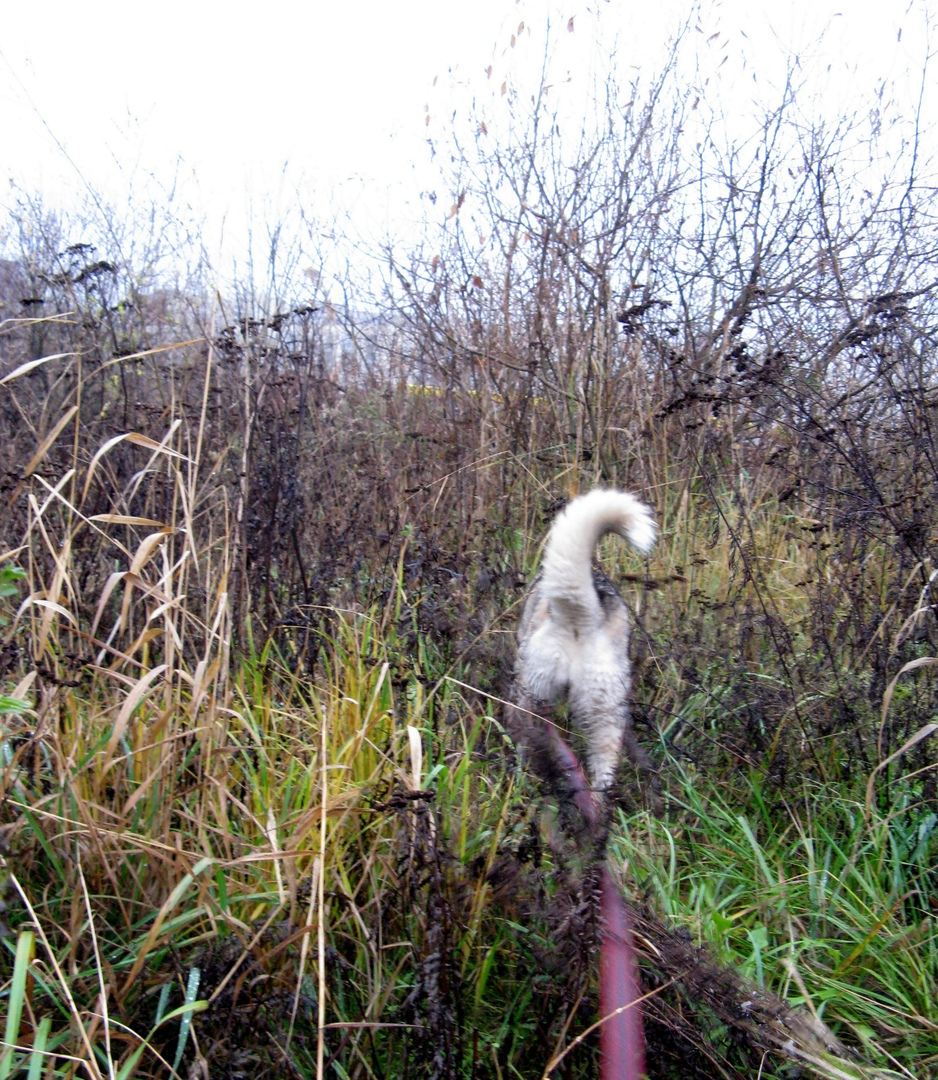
x,y
745,333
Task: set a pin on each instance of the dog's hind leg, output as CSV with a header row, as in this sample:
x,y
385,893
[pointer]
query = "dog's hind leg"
x,y
604,747
529,724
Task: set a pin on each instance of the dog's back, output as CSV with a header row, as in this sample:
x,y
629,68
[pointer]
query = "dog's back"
x,y
574,635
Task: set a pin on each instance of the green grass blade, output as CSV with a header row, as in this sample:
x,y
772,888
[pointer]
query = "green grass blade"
x,y
25,950
192,988
39,1048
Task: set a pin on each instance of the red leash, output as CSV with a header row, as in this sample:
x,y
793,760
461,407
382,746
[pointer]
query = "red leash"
x,y
622,1036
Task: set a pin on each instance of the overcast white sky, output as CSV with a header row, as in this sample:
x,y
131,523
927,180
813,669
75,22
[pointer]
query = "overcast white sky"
x,y
326,103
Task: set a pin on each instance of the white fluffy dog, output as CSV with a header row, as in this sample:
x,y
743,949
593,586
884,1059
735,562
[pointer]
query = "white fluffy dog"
x,y
573,641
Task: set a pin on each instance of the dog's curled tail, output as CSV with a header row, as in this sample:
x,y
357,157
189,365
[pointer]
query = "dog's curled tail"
x,y
566,570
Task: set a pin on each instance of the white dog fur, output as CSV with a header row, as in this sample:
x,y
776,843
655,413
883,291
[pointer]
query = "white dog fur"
x,y
573,641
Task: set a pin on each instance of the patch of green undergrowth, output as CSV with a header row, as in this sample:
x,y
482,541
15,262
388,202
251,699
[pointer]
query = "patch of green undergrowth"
x,y
832,910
